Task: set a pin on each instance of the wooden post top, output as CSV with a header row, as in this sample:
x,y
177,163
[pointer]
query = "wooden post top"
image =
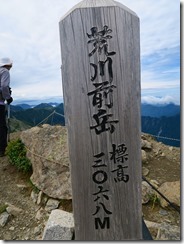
x,y
98,3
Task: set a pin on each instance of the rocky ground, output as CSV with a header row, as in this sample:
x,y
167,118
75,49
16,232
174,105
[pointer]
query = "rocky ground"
x,y
24,210
15,190
161,167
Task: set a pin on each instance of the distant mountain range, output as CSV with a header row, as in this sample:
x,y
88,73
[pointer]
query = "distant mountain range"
x,y
159,110
162,121
168,127
24,106
33,116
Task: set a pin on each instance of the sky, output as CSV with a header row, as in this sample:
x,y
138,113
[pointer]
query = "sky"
x,y
29,35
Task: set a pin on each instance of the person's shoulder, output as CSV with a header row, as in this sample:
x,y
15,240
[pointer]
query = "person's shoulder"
x,y
3,70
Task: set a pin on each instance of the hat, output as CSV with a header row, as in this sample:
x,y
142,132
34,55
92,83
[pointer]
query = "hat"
x,y
5,61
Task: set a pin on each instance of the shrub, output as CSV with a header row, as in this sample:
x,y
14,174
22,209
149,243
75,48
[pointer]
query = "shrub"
x,y
3,208
16,152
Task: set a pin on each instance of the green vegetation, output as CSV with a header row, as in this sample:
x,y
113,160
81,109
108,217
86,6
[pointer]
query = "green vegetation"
x,y
3,208
154,200
16,152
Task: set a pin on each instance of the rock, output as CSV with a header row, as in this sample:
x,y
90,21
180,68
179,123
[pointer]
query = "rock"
x,y
34,196
60,226
163,212
145,171
171,190
45,199
171,149
4,217
145,144
147,192
22,186
37,230
11,209
154,183
40,195
144,156
40,214
12,228
164,231
156,151
48,153
52,204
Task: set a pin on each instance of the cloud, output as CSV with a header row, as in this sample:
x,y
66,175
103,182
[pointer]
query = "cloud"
x,y
158,100
30,36
157,23
161,73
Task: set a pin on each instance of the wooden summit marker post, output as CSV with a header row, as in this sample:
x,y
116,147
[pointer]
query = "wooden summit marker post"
x,y
100,50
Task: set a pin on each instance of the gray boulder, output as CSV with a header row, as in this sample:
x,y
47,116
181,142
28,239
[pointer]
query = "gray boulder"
x,y
164,231
60,226
4,217
48,152
51,204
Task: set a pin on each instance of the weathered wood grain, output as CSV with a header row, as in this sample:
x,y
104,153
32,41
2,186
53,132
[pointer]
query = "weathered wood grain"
x,y
123,206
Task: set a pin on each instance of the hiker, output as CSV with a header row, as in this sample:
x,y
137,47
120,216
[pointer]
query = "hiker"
x,y
5,95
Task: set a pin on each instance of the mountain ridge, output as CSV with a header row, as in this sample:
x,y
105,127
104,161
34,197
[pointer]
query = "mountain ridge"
x,y
159,110
163,121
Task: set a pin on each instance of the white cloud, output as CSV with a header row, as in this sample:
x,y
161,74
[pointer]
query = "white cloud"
x,y
158,100
29,34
